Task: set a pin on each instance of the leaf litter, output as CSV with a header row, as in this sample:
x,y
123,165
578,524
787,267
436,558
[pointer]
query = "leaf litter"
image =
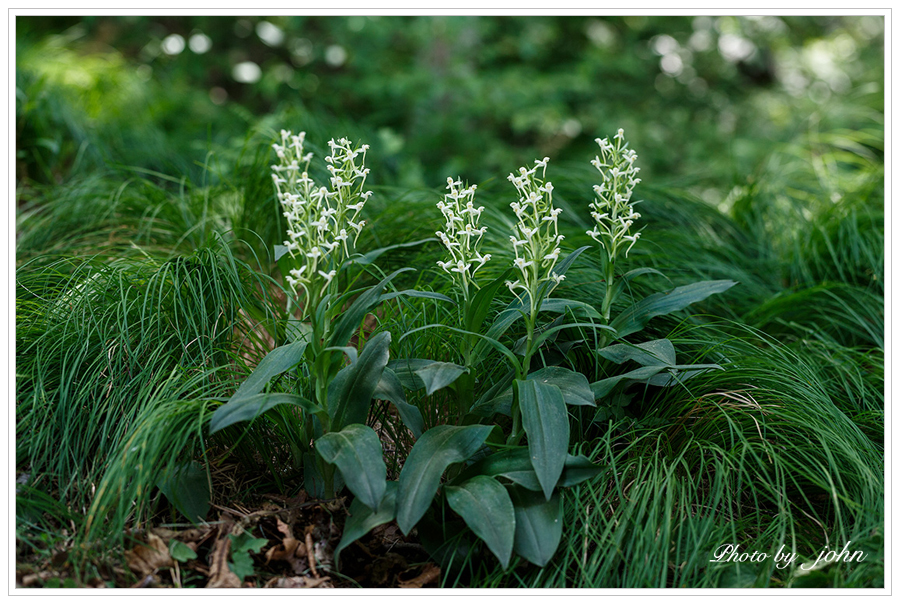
x,y
280,543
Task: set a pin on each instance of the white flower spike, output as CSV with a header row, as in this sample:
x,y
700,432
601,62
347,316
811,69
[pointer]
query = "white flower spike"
x,y
536,232
461,235
319,219
613,210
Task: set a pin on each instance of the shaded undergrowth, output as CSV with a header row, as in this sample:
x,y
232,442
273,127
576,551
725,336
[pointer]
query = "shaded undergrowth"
x,y
142,300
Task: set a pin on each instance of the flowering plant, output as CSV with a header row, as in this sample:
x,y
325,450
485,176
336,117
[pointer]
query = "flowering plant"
x,y
323,225
613,210
506,491
321,220
462,235
536,237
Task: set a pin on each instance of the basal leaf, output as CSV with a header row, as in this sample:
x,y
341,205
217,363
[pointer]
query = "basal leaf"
x,y
515,465
180,551
276,362
486,507
405,370
437,375
578,469
546,422
677,375
186,486
249,408
361,519
654,352
421,474
356,451
575,388
538,525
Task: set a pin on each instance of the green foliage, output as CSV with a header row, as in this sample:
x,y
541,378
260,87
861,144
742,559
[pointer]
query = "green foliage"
x,y
356,451
242,546
187,488
421,474
180,551
598,431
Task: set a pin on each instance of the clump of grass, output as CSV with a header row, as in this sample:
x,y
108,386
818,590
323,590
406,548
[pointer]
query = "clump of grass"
x,y
761,454
98,343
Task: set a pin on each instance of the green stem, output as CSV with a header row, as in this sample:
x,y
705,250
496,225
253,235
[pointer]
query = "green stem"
x,y
608,297
521,374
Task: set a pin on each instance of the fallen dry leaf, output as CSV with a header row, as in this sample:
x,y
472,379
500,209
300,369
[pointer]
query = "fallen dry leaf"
x,y
144,560
219,573
36,579
311,552
290,550
429,573
302,582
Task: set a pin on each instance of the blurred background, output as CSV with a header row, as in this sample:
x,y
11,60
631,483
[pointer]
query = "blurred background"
x,y
703,99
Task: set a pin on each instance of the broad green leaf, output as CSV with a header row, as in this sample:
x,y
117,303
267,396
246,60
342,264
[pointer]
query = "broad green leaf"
x,y
280,250
370,257
634,318
361,520
515,465
351,352
546,422
405,370
241,545
486,507
421,474
578,469
186,486
603,387
437,375
538,525
501,404
390,389
249,408
575,388
350,319
314,480
276,362
298,331
492,401
356,451
424,373
350,396
180,551
652,353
